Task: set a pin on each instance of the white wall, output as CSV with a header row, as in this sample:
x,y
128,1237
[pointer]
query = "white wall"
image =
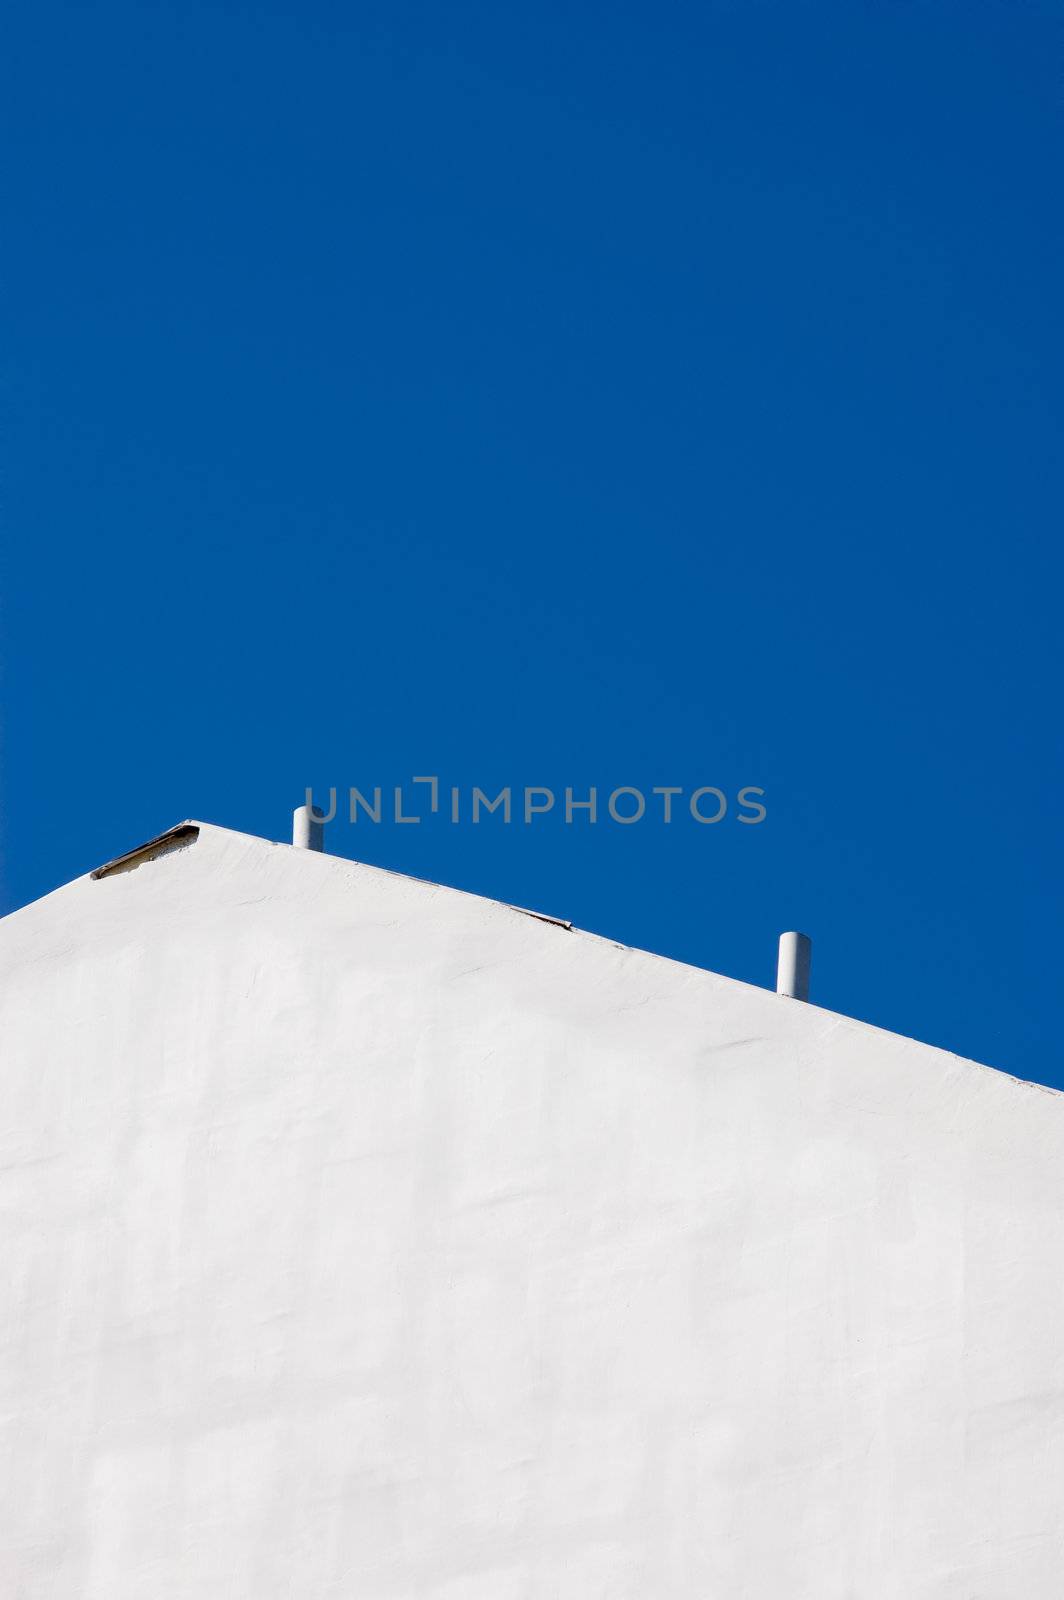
x,y
365,1239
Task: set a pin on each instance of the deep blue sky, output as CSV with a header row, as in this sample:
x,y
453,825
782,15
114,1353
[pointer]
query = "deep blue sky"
x,y
570,394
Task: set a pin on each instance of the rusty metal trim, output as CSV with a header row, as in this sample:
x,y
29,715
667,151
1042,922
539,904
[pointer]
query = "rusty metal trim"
x,y
178,838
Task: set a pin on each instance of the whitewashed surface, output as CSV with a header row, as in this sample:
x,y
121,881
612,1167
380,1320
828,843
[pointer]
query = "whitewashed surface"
x,y
363,1238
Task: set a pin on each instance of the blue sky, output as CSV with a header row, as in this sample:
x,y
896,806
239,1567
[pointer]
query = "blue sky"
x,y
573,395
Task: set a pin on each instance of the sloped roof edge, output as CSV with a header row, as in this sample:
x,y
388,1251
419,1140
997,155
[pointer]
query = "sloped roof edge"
x,y
184,834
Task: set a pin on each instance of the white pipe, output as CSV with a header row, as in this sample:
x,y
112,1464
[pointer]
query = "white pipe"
x,y
792,973
308,828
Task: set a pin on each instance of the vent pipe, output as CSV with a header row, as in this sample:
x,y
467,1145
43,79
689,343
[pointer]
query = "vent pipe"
x,y
792,973
308,828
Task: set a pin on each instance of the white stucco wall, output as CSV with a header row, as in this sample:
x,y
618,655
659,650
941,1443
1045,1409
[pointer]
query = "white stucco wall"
x,y
362,1238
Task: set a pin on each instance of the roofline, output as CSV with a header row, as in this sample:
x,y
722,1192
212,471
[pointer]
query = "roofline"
x,y
176,838
184,834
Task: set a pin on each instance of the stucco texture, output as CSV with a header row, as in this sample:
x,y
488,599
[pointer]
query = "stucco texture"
x,y
364,1238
